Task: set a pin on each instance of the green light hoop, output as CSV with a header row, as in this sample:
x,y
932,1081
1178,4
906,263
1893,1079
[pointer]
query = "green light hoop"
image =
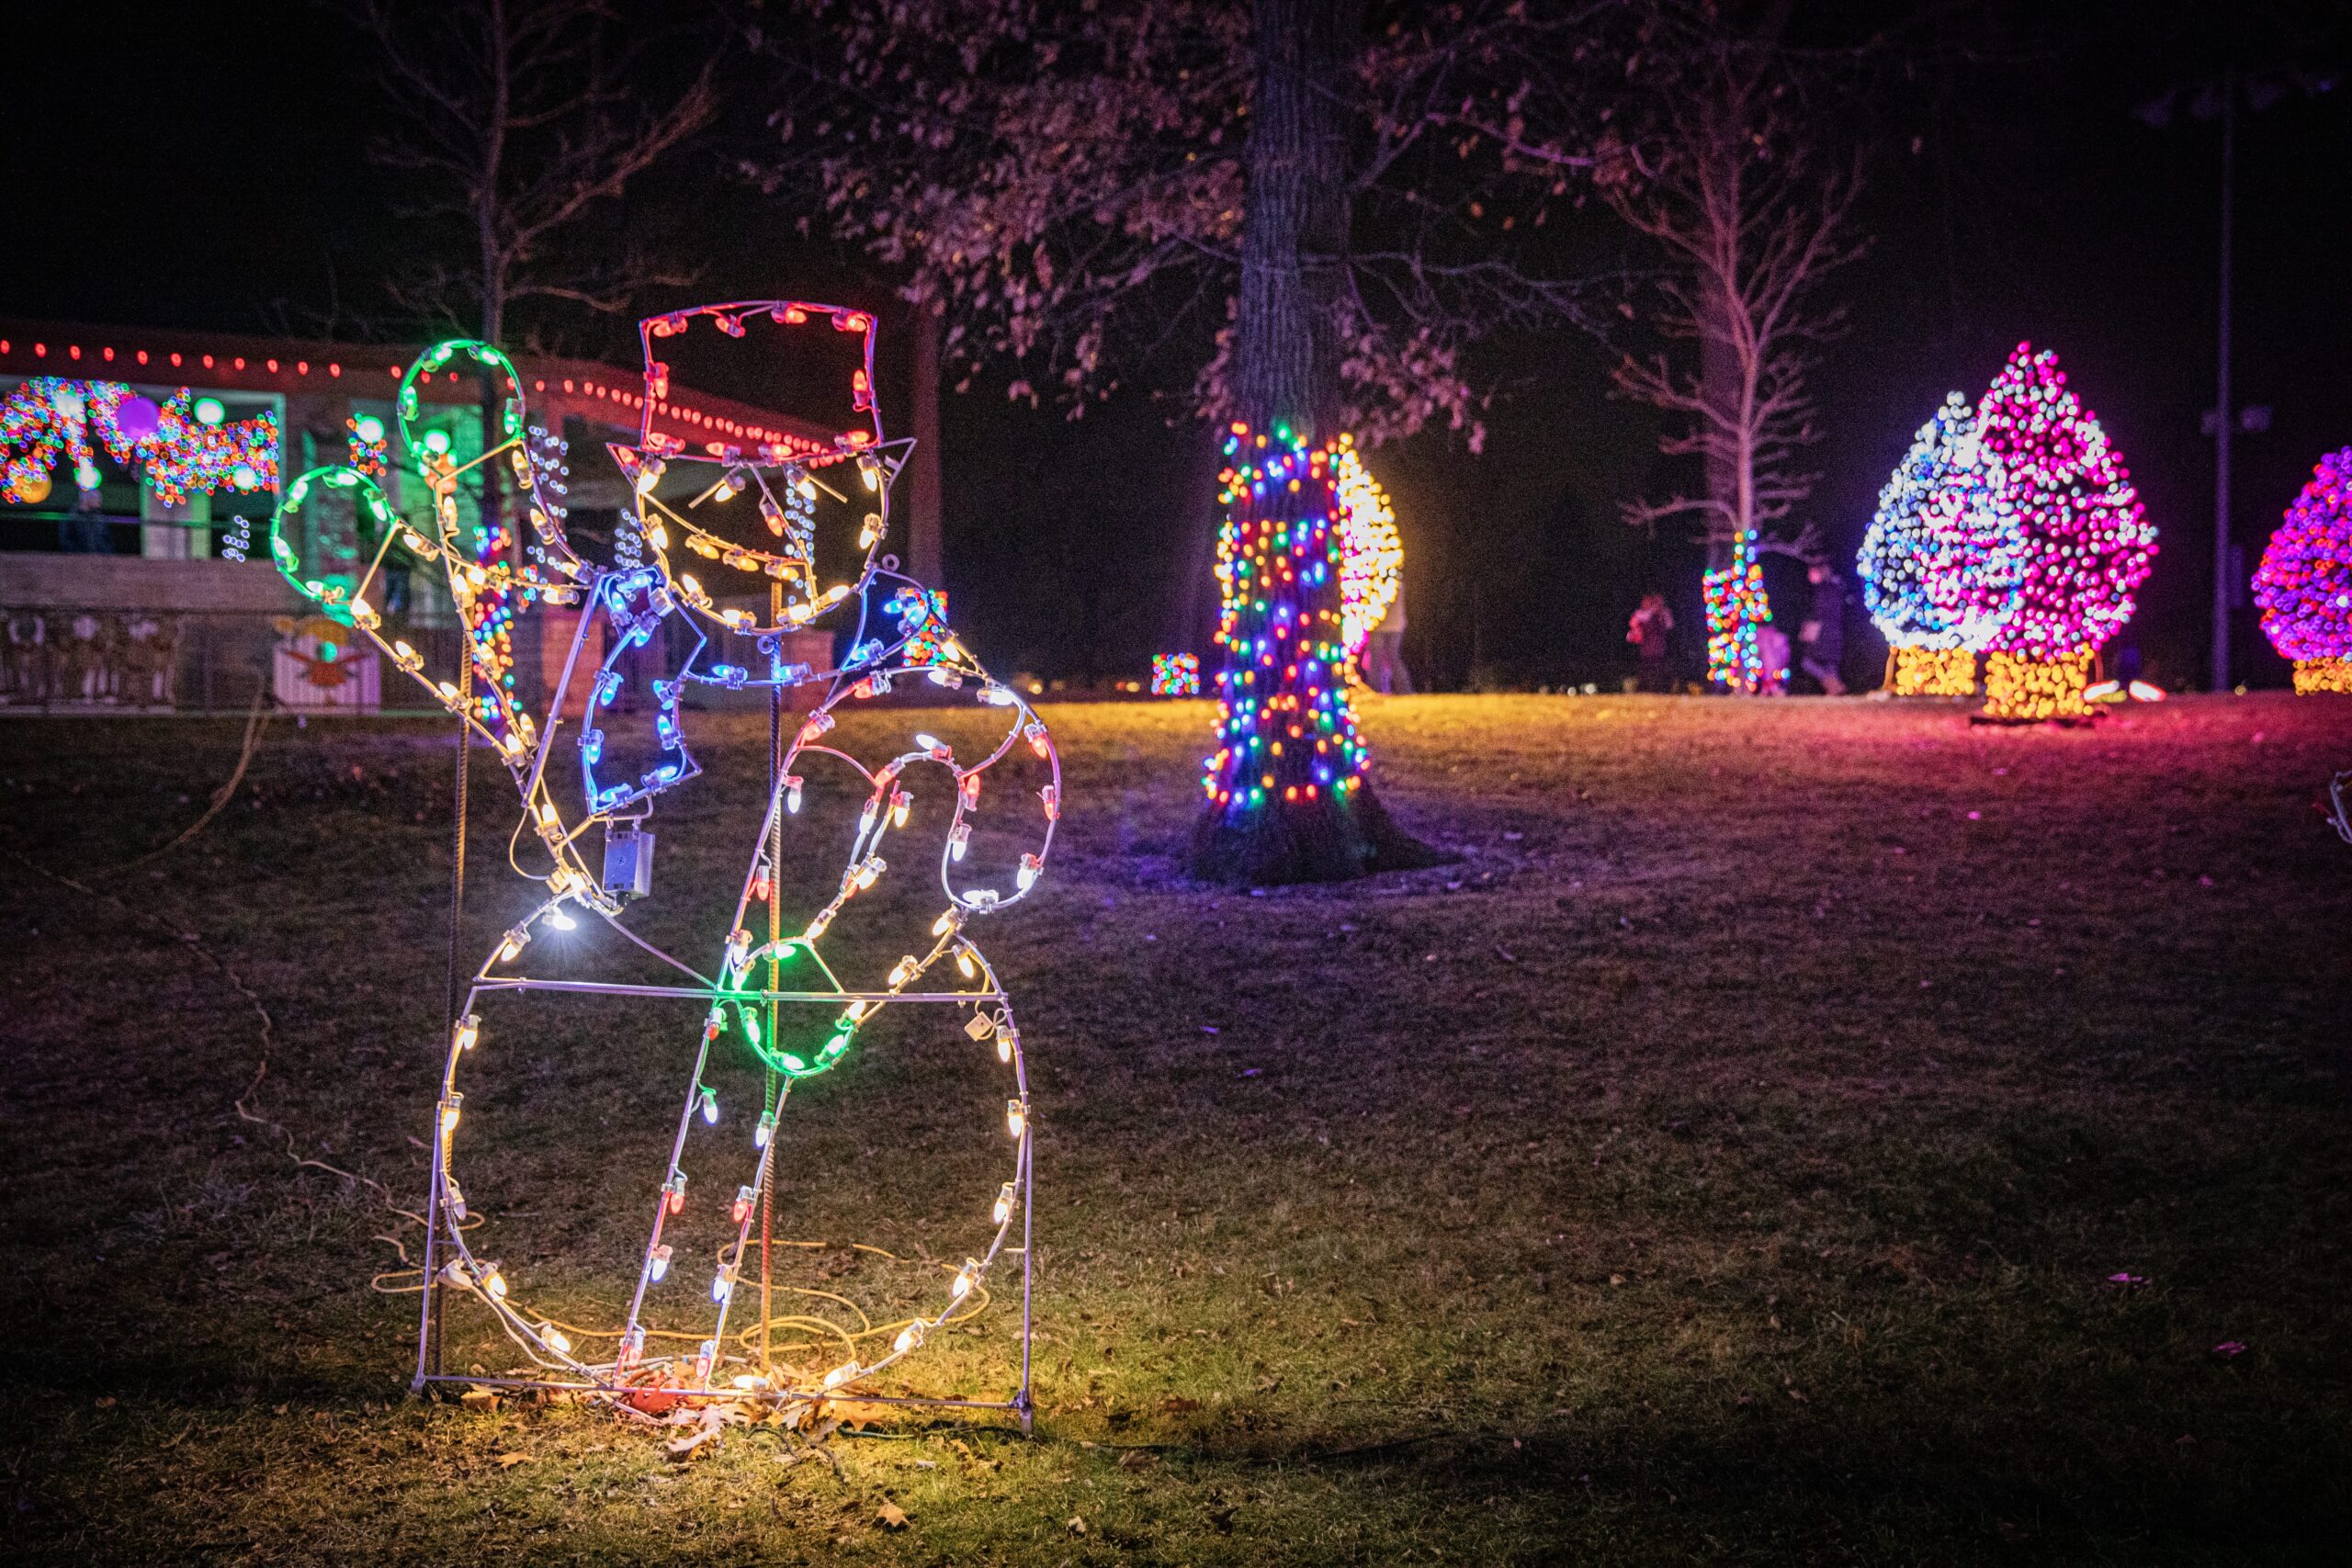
x,y
744,1009
409,405
367,502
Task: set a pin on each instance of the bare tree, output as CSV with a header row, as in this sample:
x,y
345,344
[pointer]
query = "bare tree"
x,y
1724,174
1715,156
520,119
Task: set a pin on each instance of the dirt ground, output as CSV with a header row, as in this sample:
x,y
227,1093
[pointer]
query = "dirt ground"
x,y
1803,1131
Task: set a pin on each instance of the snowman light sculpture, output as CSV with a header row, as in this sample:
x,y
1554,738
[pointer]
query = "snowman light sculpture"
x,y
688,479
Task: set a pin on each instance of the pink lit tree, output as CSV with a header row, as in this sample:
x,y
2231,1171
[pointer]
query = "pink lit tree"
x,y
2304,584
2088,544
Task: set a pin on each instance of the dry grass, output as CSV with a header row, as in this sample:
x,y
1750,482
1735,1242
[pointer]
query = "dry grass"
x,y
1726,1160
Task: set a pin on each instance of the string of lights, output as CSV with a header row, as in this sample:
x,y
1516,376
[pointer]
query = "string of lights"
x,y
754,988
182,447
1736,605
2304,586
1286,729
1175,676
1371,557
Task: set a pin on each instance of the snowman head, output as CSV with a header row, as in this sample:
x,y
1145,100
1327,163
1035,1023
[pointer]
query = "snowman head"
x,y
758,527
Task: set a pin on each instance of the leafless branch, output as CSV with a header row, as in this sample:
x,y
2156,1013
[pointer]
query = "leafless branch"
x,y
523,118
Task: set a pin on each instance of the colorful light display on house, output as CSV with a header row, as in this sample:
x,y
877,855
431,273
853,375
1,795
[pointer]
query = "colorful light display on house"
x,y
2088,544
1175,676
1371,557
1736,605
2304,586
174,447
760,996
1943,564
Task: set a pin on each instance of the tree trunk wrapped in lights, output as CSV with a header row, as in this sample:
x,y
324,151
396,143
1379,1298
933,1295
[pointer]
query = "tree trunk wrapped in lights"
x,y
1287,801
2089,542
2304,583
1944,559
1735,607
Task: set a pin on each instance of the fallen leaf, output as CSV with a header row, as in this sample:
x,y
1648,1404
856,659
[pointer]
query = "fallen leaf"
x,y
1134,1458
508,1461
1177,1405
1077,1525
891,1517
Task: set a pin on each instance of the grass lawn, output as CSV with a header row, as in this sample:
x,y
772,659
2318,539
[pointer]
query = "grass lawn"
x,y
1729,1158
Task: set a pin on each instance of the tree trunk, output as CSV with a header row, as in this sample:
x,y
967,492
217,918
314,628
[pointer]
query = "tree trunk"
x,y
1721,380
1294,229
1189,620
1288,803
922,465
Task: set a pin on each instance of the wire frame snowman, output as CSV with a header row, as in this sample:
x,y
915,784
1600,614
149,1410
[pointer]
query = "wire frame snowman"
x,y
687,478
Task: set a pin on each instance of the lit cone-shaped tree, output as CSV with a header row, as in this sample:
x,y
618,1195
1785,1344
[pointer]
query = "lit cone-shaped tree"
x,y
2088,543
1944,557
2304,583
1287,799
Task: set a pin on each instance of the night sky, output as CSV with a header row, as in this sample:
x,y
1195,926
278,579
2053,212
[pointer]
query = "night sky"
x,y
174,166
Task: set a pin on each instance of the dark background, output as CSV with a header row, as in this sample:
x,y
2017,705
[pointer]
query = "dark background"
x,y
199,168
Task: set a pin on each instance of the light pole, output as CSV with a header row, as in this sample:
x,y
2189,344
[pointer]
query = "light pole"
x,y
2210,100
2224,413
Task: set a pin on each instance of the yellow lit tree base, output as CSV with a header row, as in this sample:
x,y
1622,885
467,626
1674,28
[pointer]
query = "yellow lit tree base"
x,y
1935,672
2323,675
2032,690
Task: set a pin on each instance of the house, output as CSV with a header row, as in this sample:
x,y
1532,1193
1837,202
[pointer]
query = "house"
x,y
140,468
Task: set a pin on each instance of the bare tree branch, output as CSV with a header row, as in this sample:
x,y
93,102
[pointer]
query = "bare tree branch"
x,y
521,118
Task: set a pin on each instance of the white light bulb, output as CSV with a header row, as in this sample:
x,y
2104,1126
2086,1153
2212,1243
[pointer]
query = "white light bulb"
x,y
1016,1117
659,1265
1003,1210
